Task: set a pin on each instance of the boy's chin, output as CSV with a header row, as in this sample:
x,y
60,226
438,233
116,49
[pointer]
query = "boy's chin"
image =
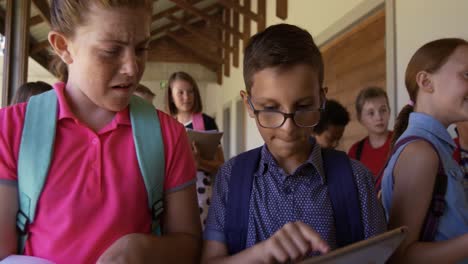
x,y
288,149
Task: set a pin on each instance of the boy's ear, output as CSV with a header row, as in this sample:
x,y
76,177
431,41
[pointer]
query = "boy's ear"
x,y
424,81
60,44
244,97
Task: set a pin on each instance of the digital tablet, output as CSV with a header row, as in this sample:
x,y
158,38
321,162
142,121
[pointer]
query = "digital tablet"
x,y
376,250
17,259
207,142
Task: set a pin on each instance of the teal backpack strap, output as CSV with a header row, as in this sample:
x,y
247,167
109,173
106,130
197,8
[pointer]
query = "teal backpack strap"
x,y
35,156
149,147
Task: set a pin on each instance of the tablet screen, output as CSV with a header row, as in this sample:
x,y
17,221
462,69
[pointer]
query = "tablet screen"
x,y
376,249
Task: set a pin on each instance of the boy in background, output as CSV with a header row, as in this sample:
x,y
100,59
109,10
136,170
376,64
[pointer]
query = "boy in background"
x,y
329,130
145,93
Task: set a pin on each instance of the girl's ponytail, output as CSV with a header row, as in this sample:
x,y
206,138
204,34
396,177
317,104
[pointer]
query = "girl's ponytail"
x,y
401,123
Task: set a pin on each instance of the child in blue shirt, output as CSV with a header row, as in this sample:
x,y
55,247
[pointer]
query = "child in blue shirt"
x,y
421,171
290,213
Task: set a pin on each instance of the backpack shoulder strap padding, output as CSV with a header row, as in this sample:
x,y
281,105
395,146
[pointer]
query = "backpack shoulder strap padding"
x,y
438,204
360,148
149,148
197,122
237,207
35,154
344,197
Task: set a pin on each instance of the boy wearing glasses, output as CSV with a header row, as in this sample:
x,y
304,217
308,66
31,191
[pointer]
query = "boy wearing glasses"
x,y
274,204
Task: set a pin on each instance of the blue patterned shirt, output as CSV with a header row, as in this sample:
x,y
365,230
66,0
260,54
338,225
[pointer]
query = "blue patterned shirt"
x,y
278,198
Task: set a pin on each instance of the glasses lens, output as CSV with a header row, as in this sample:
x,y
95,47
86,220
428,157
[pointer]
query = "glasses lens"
x,y
308,118
270,119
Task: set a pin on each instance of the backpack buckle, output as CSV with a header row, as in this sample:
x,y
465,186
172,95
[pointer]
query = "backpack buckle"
x,y
22,222
157,209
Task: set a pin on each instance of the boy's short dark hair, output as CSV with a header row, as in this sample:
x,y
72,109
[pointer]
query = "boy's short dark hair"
x,y
334,114
281,45
29,89
368,94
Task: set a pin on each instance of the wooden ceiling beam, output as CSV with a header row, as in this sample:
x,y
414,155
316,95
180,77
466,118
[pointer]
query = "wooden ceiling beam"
x,y
261,10
201,60
171,11
200,52
35,20
282,9
190,8
246,23
39,47
42,58
241,9
227,38
201,35
235,24
44,9
169,26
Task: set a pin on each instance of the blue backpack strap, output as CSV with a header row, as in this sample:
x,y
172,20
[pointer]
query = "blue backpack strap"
x,y
149,148
238,203
344,197
438,203
35,155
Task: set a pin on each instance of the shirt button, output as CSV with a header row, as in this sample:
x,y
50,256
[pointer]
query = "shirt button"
x,y
95,141
287,190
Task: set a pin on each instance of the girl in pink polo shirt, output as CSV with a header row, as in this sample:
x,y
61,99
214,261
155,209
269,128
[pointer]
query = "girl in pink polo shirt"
x,y
93,206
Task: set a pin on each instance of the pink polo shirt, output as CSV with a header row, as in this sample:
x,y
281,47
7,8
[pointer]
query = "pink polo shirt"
x,y
94,193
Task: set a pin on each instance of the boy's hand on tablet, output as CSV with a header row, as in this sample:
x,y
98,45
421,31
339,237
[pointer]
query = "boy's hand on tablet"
x,y
292,242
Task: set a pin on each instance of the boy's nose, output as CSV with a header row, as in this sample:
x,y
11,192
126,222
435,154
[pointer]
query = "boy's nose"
x,y
379,116
289,124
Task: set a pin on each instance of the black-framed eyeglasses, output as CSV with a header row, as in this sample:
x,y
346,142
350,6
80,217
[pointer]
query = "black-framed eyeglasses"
x,y
274,118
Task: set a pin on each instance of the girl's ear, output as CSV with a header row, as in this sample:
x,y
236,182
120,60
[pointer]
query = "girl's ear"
x,y
245,97
424,81
60,44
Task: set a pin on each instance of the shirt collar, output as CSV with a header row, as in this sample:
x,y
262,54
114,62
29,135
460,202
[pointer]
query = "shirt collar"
x,y
430,124
267,161
64,112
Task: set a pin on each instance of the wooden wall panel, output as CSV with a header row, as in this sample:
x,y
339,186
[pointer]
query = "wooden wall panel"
x,y
353,61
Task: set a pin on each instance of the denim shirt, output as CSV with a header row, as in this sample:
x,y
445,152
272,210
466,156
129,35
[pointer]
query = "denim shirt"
x,y
454,221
